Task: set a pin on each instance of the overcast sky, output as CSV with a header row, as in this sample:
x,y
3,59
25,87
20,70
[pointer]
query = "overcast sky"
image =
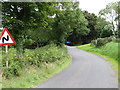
x,y
94,6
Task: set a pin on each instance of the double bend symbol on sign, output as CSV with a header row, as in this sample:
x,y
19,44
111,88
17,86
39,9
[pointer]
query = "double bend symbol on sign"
x,y
6,38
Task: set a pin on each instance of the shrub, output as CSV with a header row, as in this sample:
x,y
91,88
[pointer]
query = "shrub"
x,y
117,40
93,42
13,70
101,42
49,53
52,53
109,39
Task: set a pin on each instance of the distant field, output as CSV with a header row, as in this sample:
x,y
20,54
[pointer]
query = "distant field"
x,y
110,51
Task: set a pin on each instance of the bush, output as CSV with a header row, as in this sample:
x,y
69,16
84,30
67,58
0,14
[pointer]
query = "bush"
x,y
117,40
100,42
53,53
93,42
47,54
109,39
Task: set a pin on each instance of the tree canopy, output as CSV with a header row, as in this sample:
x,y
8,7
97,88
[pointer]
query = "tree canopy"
x,y
57,22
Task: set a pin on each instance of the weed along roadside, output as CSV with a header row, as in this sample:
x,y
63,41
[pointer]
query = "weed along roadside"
x,y
35,67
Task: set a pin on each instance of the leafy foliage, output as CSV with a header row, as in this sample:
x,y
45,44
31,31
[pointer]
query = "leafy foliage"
x,y
99,42
94,33
104,28
35,22
77,26
111,12
21,18
47,54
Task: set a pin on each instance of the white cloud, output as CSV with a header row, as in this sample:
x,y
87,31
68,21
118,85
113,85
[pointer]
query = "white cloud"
x,y
94,6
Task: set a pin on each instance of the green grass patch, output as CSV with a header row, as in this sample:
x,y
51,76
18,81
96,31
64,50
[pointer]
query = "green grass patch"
x,y
32,76
109,51
0,82
0,86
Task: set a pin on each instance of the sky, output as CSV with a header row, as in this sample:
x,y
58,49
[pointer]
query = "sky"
x,y
94,6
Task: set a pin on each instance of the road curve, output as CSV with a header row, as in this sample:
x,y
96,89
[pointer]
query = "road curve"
x,y
86,71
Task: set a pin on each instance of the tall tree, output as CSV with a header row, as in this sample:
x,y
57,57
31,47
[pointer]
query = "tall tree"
x,y
21,17
111,13
70,20
93,34
103,27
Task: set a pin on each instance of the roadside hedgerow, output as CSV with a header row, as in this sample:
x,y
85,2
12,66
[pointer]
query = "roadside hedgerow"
x,y
47,54
99,42
102,41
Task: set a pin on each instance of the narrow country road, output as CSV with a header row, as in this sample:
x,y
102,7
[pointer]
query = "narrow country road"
x,y
86,71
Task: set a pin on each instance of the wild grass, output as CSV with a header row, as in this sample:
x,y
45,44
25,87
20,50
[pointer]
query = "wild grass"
x,y
32,76
35,67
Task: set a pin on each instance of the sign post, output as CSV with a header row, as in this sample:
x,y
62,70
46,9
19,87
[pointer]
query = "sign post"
x,y
6,39
6,56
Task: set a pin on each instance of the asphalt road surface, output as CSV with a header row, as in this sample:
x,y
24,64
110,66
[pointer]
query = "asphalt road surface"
x,y
86,71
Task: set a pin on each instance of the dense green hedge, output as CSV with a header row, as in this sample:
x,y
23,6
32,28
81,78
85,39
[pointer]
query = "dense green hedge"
x,y
47,54
102,41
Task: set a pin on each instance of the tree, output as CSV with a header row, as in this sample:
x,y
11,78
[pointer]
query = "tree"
x,y
93,34
70,20
23,17
15,18
103,27
111,13
43,22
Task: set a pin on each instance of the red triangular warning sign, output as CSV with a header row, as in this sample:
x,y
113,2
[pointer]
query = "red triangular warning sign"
x,y
6,38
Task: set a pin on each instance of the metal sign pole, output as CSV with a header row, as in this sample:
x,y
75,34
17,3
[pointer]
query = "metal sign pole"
x,y
7,56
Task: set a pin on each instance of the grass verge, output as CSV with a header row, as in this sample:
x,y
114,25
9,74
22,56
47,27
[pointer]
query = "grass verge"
x,y
33,76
